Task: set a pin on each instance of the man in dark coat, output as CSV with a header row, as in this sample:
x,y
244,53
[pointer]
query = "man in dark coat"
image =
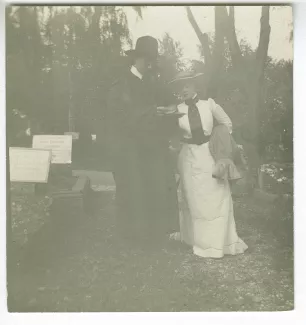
x,y
146,195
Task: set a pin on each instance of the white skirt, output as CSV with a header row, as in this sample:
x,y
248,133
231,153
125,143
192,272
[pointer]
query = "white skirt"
x,y
207,217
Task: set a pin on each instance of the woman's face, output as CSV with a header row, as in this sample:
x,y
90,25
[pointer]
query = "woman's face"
x,y
188,91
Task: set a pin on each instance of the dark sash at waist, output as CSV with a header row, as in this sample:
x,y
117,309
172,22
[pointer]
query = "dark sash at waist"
x,y
204,139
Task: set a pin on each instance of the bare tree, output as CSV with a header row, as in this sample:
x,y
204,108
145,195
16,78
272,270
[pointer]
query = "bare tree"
x,y
213,58
250,75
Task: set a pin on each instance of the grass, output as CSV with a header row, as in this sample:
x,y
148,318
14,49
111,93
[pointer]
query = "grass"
x,y
84,268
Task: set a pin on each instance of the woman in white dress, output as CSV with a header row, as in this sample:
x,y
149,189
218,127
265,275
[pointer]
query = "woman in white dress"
x,y
207,219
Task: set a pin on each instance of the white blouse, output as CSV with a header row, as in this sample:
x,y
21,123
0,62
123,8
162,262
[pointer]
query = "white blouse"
x,y
208,110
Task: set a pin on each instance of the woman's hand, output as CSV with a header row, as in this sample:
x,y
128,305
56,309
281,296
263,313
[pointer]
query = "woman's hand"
x,y
162,110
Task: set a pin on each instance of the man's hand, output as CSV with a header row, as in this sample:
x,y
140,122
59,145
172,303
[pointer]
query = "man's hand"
x,y
161,110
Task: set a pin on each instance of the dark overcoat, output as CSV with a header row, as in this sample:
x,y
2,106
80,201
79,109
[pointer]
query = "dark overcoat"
x,y
139,148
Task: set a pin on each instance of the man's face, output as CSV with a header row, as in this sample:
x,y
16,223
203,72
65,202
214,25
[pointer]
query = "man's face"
x,y
145,65
148,65
188,90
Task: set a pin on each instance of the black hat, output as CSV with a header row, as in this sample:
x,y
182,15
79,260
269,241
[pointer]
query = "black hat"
x,y
146,46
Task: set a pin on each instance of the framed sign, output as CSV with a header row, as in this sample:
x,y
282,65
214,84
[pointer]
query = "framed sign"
x,y
29,165
60,145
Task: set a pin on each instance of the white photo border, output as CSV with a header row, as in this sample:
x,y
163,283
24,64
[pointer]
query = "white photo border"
x,y
298,316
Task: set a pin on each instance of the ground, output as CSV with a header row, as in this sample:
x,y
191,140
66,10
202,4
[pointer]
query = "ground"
x,y
78,265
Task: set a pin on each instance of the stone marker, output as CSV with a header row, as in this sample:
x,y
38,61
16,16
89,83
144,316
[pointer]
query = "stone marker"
x,y
97,178
74,202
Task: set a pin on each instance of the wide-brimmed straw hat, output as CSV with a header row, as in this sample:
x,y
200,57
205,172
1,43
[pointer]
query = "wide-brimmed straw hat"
x,y
146,46
184,76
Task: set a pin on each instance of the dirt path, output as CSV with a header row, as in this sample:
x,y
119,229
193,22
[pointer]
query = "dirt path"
x,y
85,269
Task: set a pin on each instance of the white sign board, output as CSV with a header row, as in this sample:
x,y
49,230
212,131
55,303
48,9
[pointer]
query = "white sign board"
x,y
29,165
60,145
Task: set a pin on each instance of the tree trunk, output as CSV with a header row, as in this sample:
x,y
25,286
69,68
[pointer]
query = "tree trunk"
x,y
255,99
218,51
251,80
203,37
214,59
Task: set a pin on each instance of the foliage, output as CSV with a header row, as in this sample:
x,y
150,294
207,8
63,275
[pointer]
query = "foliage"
x,y
60,61
171,57
276,116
